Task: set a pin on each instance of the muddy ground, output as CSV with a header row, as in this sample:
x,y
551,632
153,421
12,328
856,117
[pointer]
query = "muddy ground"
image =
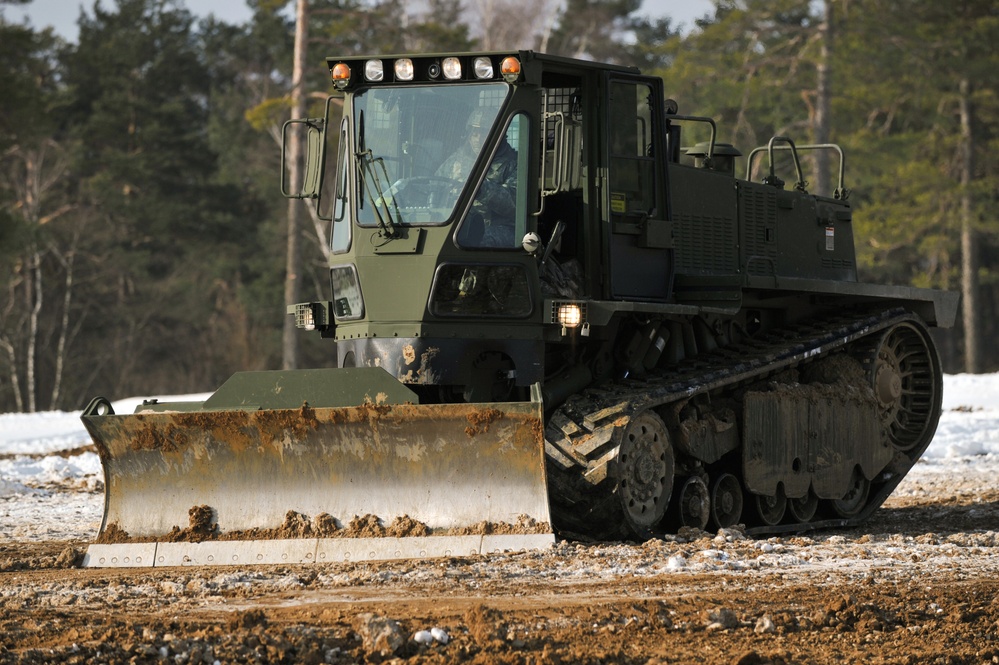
x,y
917,585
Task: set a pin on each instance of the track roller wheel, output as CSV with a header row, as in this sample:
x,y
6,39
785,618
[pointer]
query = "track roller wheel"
x,y
905,374
803,509
644,472
694,503
726,501
770,509
854,500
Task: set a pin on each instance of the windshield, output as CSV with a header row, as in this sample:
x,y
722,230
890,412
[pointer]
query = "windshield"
x,y
415,148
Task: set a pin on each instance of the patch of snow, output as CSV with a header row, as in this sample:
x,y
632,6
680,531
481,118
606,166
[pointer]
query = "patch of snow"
x,y
969,424
79,471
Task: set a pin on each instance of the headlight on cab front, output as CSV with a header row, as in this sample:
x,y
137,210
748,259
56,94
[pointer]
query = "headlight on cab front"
x,y
570,315
311,315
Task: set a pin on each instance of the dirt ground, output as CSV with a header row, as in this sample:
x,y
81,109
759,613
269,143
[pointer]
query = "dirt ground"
x,y
917,585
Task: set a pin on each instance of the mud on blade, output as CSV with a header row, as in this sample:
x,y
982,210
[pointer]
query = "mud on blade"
x,y
319,443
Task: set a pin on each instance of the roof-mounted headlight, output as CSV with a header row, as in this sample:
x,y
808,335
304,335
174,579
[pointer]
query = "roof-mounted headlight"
x,y
374,70
483,68
404,69
452,68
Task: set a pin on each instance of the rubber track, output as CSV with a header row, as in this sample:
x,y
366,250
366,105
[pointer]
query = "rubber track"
x,y
582,435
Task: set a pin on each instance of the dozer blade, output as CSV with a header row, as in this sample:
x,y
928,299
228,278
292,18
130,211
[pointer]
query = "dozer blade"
x,y
313,466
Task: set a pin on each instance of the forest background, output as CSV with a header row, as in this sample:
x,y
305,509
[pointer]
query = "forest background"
x,y
143,237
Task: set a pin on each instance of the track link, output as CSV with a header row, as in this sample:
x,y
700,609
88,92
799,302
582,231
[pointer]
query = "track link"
x,y
584,435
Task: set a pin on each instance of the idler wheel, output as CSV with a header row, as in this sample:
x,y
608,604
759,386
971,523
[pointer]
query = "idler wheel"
x,y
644,472
905,374
726,501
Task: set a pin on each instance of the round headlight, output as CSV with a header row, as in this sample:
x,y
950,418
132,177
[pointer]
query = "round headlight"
x,y
570,315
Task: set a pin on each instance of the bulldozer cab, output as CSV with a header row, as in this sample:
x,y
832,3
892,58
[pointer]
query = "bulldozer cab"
x,y
498,146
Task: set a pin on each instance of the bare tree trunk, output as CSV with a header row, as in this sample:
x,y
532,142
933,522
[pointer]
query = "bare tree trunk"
x,y
486,17
15,381
969,254
822,102
35,294
33,172
67,301
548,21
289,345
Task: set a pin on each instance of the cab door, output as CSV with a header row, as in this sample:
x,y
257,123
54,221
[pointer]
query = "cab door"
x,y
634,203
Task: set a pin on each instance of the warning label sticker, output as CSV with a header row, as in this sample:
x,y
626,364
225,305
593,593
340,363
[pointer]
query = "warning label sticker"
x,y
619,203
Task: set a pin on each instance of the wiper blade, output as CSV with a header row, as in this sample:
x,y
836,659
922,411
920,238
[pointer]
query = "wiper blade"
x,y
382,198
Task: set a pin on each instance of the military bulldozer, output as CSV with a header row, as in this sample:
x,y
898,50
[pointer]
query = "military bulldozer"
x,y
551,313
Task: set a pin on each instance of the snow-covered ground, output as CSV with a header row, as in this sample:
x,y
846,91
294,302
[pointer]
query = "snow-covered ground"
x,y
47,483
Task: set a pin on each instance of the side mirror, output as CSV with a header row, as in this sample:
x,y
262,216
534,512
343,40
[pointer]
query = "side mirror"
x,y
311,180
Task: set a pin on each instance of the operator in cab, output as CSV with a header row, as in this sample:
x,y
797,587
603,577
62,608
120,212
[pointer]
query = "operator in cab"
x,y
491,220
